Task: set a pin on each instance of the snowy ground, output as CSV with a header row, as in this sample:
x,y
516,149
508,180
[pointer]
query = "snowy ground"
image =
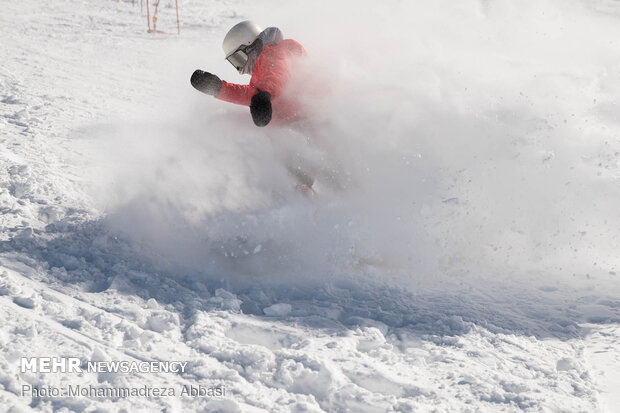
x,y
469,263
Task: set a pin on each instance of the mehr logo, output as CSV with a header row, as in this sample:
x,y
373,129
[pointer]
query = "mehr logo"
x,y
51,365
74,365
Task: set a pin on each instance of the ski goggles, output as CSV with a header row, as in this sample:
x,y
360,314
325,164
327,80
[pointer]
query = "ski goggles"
x,y
238,59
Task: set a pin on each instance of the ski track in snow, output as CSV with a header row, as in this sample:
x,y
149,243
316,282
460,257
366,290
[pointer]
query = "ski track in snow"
x,y
367,339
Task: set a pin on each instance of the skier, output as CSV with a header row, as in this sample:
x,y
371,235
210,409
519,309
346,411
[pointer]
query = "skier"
x,y
267,56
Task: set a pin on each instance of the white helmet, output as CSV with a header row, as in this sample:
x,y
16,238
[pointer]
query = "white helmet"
x,y
242,34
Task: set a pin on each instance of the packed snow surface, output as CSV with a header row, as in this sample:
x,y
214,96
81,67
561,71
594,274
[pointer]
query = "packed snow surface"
x,y
461,253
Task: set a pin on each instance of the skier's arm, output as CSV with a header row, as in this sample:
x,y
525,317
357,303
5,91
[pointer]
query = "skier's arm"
x,y
239,94
210,84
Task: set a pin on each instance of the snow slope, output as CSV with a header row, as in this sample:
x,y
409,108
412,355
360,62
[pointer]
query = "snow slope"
x,y
461,254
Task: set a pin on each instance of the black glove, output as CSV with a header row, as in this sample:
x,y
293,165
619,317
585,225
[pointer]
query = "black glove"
x,y
206,82
260,108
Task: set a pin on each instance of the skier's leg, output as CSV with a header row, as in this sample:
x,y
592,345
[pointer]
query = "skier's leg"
x,y
303,180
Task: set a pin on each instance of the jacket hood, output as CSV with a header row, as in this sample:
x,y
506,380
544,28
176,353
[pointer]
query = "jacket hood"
x,y
271,35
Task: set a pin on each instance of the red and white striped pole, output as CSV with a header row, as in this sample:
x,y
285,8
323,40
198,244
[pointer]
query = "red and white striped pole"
x,y
178,26
148,15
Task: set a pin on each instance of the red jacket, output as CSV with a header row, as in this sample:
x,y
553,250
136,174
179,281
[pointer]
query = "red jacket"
x,y
271,74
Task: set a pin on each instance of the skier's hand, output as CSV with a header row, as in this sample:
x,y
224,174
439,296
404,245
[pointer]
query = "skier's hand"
x,y
260,108
206,82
